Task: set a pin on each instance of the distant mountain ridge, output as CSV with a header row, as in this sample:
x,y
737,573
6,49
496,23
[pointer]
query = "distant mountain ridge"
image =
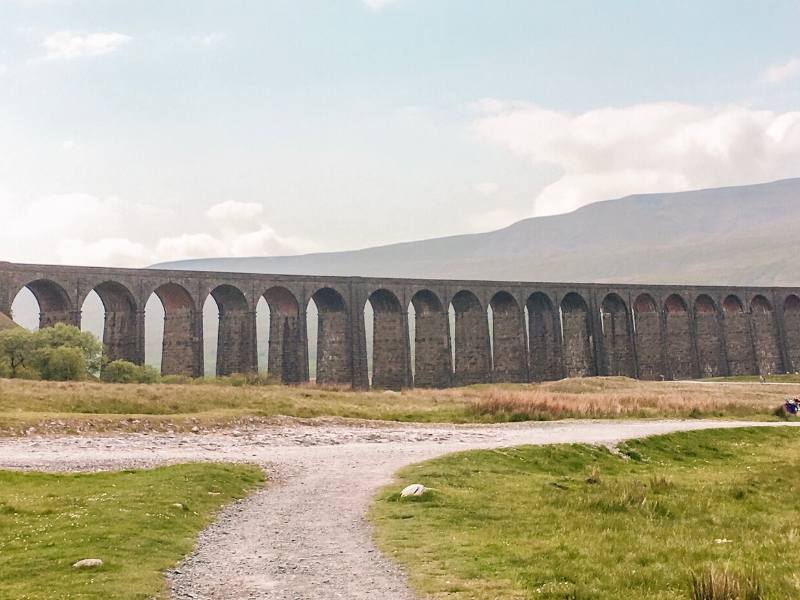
x,y
743,235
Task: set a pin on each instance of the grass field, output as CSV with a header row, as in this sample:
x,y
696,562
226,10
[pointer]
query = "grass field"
x,y
84,406
138,522
580,522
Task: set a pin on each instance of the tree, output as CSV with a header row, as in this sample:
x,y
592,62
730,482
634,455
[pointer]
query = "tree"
x,y
64,364
16,348
61,335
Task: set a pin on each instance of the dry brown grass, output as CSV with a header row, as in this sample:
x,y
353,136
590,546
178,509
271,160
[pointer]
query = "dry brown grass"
x,y
81,406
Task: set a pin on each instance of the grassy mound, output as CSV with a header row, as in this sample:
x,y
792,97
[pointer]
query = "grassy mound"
x,y
664,516
137,522
6,323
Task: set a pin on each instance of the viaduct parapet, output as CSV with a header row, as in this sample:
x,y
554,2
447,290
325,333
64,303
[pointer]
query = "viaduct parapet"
x,y
533,332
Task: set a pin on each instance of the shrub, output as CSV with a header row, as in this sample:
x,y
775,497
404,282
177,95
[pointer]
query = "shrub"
x,y
61,335
16,347
123,371
64,364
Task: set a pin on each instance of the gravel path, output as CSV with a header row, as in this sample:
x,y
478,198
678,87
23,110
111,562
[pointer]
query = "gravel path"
x,y
304,535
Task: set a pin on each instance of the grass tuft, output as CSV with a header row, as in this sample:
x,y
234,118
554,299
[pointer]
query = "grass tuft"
x,y
720,584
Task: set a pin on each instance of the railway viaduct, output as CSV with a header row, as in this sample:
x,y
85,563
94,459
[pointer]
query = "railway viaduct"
x,y
503,331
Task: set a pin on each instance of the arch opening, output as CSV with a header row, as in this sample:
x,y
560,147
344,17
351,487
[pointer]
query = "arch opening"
x,y
431,334
234,350
678,337
543,338
576,336
709,354
739,345
647,328
390,364
618,353
472,353
509,353
53,303
182,333
791,320
110,312
334,362
765,336
287,350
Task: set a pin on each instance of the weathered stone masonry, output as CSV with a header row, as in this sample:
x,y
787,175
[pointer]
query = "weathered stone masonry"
x,y
540,331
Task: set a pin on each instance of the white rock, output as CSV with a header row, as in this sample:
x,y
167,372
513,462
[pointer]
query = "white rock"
x,y
88,563
415,489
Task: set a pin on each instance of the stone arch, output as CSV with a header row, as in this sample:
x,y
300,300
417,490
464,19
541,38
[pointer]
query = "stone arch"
x,y
678,336
739,346
618,353
334,360
765,336
791,321
545,358
236,334
432,357
471,340
647,327
55,304
509,359
286,348
390,365
576,336
122,326
709,355
182,346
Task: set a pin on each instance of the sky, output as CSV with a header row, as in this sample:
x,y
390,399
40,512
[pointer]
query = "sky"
x,y
139,132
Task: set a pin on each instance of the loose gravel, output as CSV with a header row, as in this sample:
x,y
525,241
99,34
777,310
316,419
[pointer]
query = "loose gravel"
x,y
304,535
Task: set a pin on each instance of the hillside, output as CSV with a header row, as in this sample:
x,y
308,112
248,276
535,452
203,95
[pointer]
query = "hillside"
x,y
744,235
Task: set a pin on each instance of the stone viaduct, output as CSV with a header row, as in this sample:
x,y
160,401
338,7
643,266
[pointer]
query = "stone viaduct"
x,y
503,331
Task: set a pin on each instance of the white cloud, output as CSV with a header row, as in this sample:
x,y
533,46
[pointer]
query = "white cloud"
x,y
487,188
660,147
378,4
234,214
3,69
211,39
69,44
783,72
84,229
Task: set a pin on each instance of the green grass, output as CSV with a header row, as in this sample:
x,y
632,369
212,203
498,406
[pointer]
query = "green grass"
x,y
128,519
68,407
580,522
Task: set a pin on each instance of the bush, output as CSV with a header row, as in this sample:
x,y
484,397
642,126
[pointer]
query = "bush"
x,y
123,371
16,349
64,364
61,335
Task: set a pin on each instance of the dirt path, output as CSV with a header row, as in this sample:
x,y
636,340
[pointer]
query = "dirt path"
x,y
304,535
